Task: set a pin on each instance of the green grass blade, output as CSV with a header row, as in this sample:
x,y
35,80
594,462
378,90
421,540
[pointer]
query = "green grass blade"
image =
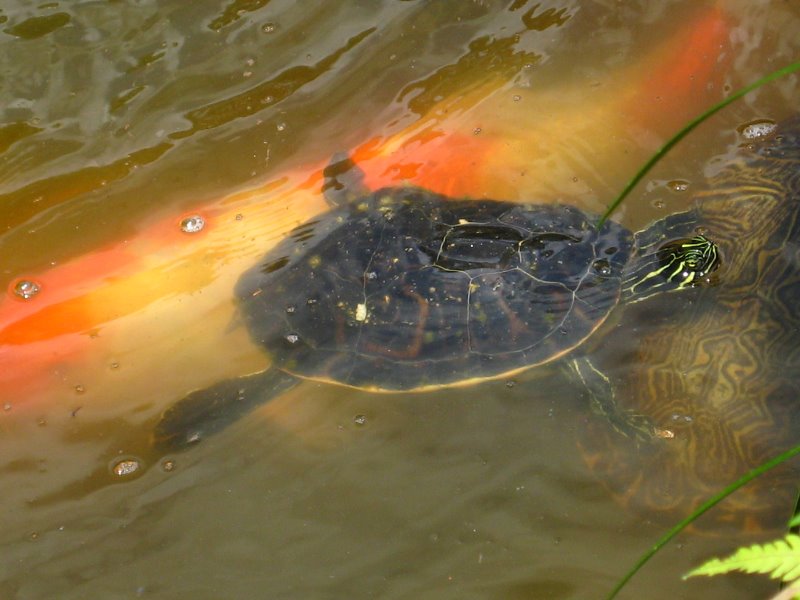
x,y
705,507
686,130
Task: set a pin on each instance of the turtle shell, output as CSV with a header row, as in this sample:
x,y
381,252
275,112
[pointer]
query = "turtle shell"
x,y
405,289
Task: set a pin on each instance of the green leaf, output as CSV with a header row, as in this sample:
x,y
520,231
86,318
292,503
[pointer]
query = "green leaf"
x,y
779,559
794,521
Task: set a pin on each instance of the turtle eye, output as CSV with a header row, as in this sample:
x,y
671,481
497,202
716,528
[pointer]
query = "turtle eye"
x,y
688,260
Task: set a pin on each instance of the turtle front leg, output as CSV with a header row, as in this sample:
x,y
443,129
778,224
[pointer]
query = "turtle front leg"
x,y
628,423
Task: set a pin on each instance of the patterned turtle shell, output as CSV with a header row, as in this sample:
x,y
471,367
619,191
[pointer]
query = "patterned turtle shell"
x,y
719,378
405,289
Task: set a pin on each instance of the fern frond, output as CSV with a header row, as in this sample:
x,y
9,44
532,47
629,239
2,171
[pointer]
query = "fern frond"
x,y
779,559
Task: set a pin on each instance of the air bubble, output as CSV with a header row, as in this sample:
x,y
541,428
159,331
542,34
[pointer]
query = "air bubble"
x,y
659,204
292,338
281,126
7,406
26,289
516,97
683,418
360,420
756,129
268,27
168,465
79,389
678,185
193,224
602,267
291,309
477,131
126,467
510,383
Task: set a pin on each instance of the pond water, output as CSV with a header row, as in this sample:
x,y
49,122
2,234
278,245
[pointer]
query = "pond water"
x,y
120,120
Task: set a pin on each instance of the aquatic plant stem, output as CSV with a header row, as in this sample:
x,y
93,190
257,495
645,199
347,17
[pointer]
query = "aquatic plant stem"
x,y
702,509
690,126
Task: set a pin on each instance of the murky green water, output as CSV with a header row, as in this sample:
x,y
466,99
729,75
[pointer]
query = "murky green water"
x,y
120,118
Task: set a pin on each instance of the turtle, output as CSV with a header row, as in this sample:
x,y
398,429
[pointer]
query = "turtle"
x,y
404,289
719,379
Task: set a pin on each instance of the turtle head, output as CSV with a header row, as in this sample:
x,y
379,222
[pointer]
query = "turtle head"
x,y
675,265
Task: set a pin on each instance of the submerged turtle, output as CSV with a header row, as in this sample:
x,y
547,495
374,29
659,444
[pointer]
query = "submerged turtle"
x,y
404,289
720,382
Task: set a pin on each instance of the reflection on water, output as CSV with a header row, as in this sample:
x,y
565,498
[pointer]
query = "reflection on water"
x,y
119,121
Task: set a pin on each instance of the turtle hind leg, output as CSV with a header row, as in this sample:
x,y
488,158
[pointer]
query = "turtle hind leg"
x,y
210,410
628,423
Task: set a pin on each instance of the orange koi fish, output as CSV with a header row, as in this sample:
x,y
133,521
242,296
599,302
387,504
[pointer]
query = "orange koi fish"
x,y
121,321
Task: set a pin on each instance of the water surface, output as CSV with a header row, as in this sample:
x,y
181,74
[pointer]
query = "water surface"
x,y
119,119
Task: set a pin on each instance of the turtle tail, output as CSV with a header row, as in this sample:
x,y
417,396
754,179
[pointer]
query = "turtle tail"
x,y
210,410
